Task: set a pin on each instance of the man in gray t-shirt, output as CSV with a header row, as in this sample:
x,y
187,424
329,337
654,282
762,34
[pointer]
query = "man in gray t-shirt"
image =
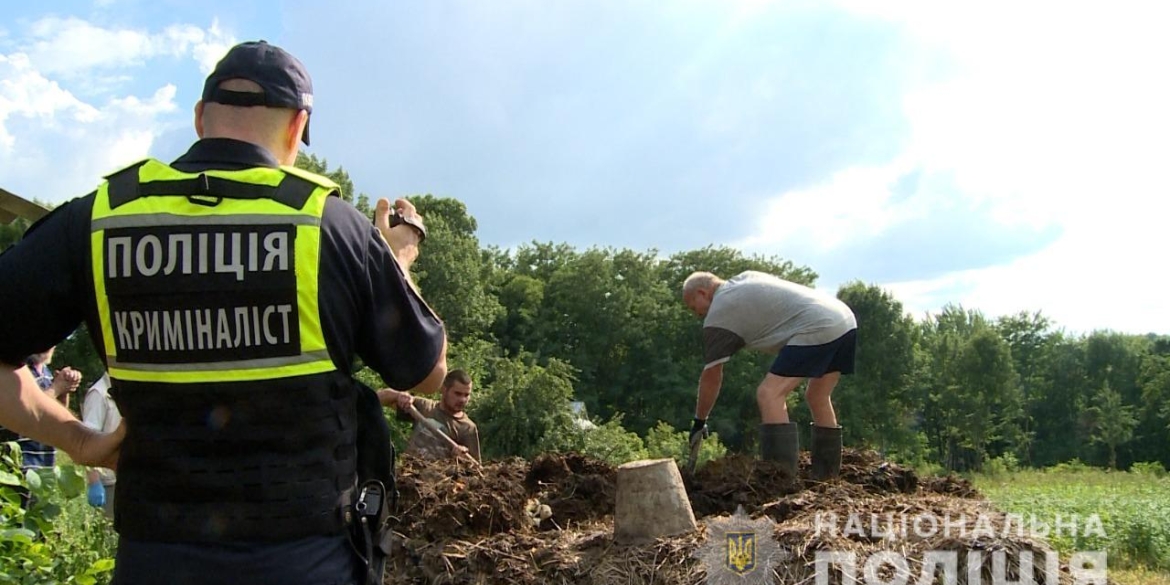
x,y
814,336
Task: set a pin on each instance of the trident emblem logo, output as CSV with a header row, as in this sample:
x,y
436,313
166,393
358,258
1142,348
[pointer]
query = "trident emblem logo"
x,y
741,552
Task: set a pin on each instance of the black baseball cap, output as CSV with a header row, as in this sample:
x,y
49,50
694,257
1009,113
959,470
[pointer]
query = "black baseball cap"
x,y
283,79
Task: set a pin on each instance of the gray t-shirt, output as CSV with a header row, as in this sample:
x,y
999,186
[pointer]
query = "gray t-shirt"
x,y
764,313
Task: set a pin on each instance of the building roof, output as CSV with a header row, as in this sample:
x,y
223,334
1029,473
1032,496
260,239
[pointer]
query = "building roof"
x,y
13,206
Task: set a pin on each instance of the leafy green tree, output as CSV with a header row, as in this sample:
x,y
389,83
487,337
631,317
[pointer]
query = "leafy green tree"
x,y
12,232
451,270
609,442
875,404
520,278
939,342
1154,381
538,260
1032,341
1112,421
726,262
605,311
1060,432
523,409
1116,358
969,389
521,297
990,396
606,307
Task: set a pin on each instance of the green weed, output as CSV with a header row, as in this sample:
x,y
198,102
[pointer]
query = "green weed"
x,y
1133,510
58,539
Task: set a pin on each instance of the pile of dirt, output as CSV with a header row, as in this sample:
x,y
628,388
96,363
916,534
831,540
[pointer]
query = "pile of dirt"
x,y
579,490
867,469
461,524
442,500
723,485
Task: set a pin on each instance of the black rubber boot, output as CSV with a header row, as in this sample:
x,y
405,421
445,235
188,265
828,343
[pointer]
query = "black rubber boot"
x,y
826,452
781,442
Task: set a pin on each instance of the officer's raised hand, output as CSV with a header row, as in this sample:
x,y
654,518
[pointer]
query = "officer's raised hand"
x,y
403,237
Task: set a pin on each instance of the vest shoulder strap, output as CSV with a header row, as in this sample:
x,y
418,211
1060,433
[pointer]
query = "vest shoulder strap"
x,y
294,189
122,185
319,180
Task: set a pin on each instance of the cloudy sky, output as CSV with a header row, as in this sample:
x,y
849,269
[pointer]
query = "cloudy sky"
x,y
1003,156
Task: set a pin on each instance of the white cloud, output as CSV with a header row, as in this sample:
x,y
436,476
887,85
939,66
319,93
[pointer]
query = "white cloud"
x,y
27,93
853,204
1089,281
70,45
58,145
212,47
1050,115
55,145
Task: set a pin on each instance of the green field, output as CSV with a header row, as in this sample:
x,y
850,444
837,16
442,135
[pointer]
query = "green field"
x,y
1133,508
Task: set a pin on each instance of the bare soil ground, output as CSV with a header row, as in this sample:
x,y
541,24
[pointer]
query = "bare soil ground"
x,y
459,524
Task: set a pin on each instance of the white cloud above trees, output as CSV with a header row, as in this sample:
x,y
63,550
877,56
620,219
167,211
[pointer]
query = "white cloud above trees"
x,y
70,108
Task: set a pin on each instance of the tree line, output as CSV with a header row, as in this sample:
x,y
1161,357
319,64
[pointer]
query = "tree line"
x,y
544,324
953,389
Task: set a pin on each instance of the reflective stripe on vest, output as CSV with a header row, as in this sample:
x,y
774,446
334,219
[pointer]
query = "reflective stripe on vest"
x,y
209,277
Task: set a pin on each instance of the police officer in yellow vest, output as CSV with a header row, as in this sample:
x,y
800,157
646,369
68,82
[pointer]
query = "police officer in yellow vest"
x,y
229,294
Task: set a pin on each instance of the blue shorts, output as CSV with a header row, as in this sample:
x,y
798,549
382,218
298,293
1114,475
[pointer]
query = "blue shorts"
x,y
814,361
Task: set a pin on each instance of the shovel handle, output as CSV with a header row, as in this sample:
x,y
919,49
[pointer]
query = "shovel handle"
x,y
694,454
436,429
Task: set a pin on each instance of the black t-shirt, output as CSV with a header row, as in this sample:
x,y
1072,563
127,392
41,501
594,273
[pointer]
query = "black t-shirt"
x,y
367,308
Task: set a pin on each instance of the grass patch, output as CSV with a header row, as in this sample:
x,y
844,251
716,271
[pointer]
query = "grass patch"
x,y
1125,514
1140,577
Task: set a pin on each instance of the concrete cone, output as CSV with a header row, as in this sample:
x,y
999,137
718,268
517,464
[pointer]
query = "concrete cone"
x,y
651,502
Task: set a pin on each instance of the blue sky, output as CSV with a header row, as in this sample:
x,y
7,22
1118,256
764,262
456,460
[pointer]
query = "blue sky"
x,y
1005,156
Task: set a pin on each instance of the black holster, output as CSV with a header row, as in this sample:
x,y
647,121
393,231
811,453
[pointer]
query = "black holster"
x,y
377,495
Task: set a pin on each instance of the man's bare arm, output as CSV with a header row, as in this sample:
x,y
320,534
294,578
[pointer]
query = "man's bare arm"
x,y
28,411
710,383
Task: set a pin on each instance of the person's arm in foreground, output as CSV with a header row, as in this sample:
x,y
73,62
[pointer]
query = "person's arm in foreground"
x,y
28,411
403,241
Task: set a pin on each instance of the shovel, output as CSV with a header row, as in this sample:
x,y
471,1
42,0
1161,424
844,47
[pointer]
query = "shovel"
x,y
696,443
437,429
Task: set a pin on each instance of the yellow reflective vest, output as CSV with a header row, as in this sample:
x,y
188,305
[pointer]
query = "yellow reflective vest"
x,y
209,277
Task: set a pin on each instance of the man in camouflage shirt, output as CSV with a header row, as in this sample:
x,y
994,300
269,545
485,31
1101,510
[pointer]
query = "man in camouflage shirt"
x,y
448,411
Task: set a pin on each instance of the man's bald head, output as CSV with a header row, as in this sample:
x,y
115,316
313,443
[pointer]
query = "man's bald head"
x,y
277,129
